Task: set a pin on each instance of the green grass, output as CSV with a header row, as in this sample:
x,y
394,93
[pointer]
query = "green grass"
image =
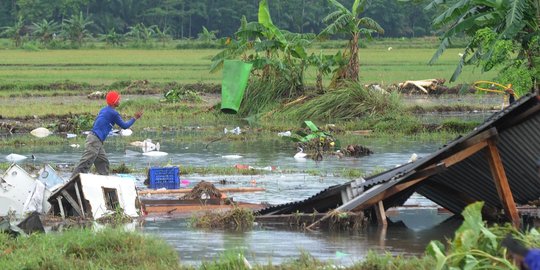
x,y
86,249
106,66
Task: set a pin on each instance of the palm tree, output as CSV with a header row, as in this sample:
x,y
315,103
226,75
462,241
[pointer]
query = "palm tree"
x,y
349,22
74,28
517,21
45,30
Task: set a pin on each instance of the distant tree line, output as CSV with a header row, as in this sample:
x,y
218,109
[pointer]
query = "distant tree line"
x,y
183,19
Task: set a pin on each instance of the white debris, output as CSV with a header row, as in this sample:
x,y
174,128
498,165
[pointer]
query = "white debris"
x,y
75,145
284,134
126,132
71,135
19,192
235,131
15,157
231,156
41,132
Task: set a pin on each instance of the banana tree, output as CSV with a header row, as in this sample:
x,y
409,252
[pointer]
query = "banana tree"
x,y
15,32
75,28
350,23
45,30
273,52
515,21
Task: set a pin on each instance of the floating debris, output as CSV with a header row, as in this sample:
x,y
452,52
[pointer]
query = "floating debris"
x,y
15,157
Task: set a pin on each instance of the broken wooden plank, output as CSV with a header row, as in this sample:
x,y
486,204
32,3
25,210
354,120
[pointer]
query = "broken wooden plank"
x,y
61,206
380,213
72,202
501,183
79,199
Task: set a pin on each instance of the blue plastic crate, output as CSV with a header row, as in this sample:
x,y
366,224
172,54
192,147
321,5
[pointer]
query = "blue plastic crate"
x,y
164,177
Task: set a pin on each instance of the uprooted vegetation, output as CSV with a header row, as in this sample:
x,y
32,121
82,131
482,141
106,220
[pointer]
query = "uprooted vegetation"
x,y
237,218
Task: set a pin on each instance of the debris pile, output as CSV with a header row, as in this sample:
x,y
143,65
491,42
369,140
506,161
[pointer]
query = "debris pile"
x,y
203,190
356,150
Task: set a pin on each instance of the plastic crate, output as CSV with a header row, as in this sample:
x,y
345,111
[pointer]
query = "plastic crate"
x,y
165,177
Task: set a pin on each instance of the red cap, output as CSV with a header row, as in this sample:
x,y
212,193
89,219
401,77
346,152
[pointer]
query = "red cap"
x,y
112,98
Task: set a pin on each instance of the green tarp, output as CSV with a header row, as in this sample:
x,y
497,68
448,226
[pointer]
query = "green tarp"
x,y
235,78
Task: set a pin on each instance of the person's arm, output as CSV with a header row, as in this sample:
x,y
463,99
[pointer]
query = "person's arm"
x,y
120,122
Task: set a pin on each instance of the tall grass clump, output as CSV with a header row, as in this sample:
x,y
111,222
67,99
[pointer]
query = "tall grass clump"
x,y
265,94
351,102
86,249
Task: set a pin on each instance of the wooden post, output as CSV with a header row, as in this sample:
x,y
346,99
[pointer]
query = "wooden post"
x,y
381,215
501,183
61,206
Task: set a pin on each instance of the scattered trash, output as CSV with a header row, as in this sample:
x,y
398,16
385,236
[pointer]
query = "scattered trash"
x,y
413,158
75,145
235,131
155,154
284,134
247,167
41,132
71,135
231,157
184,183
15,157
96,95
423,85
126,132
242,166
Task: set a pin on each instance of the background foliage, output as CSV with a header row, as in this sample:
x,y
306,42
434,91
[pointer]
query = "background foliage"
x,y
185,19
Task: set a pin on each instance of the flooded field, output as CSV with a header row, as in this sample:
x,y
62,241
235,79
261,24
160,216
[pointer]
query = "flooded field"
x,y
268,243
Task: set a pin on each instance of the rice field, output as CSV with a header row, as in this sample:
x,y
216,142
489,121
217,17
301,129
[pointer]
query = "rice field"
x,y
106,66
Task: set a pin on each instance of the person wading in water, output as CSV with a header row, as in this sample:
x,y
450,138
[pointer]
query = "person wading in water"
x,y
94,152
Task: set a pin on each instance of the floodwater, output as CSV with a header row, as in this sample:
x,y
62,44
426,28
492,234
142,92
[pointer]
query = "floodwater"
x,y
266,244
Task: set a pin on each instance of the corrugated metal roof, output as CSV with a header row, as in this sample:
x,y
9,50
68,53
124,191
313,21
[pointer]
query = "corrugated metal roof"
x,y
518,128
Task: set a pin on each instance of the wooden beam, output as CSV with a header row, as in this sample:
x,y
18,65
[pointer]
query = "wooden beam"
x,y
501,183
72,202
79,199
381,215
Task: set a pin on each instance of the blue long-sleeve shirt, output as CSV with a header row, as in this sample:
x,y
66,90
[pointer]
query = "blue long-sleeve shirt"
x,y
106,119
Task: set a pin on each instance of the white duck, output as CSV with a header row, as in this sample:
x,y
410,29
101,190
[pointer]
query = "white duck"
x,y
300,154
